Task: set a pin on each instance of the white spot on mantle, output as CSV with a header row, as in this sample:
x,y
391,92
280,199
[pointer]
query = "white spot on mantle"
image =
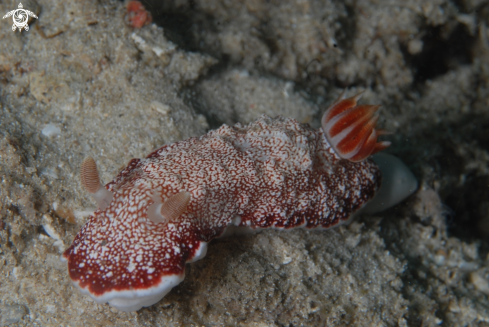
x,y
131,267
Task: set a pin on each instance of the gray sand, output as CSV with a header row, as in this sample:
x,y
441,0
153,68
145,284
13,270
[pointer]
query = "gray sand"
x,y
82,82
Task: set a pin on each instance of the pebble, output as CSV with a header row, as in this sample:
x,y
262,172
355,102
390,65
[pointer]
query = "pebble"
x,y
10,314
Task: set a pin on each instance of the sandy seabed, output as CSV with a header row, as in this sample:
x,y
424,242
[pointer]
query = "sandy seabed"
x,y
82,82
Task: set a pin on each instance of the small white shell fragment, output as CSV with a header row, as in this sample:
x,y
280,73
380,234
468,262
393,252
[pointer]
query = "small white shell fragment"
x,y
140,42
158,51
160,107
144,46
51,231
51,130
286,260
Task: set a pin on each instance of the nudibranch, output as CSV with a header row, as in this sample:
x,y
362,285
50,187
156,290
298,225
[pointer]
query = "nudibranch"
x,y
160,212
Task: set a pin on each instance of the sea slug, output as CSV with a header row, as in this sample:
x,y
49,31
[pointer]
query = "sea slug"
x,y
160,212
